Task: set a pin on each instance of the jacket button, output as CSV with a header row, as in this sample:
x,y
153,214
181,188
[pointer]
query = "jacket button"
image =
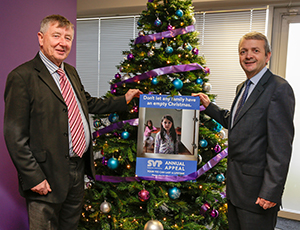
x,y
65,110
67,156
65,134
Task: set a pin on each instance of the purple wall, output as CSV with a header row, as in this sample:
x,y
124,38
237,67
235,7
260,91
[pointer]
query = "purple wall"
x,y
19,23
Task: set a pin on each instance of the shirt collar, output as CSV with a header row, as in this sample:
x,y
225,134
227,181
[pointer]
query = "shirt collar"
x,y
258,76
49,64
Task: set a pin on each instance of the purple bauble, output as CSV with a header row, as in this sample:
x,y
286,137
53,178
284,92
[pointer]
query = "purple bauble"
x,y
117,76
170,27
217,148
195,51
135,108
130,57
214,213
144,195
104,161
150,0
113,91
204,208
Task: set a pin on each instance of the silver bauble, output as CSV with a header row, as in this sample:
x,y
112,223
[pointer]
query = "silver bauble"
x,y
193,20
207,87
105,207
199,159
222,134
153,225
125,77
150,53
141,33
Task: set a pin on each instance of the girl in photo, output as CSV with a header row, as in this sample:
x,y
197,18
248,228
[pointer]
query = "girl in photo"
x,y
166,139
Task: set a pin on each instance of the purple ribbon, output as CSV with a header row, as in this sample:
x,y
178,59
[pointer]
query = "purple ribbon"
x,y
165,34
117,125
193,176
160,71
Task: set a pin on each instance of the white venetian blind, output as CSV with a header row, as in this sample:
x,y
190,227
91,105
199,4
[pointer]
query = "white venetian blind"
x,y
100,42
219,37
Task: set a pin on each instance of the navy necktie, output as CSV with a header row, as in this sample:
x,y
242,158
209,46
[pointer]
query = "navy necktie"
x,y
243,99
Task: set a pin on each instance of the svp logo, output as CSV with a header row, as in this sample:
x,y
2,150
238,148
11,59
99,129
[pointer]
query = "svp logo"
x,y
154,163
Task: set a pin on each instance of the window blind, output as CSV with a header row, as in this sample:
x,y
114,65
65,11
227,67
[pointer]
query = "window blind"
x,y
100,43
220,33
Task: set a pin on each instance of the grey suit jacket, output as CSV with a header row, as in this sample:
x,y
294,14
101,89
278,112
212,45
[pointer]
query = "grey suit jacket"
x,y
259,142
36,127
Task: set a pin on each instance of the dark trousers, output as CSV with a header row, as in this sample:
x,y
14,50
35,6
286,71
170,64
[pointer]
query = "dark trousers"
x,y
240,219
62,216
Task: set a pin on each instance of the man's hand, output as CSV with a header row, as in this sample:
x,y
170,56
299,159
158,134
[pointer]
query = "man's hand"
x,y
131,94
203,98
265,204
42,188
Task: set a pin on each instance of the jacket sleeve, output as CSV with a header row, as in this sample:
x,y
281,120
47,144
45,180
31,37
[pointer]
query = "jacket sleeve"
x,y
280,137
17,133
220,115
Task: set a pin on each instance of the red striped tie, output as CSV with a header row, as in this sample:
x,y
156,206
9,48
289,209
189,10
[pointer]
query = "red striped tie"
x,y
75,121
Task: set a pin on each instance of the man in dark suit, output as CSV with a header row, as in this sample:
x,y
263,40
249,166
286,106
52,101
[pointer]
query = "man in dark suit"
x,y
260,135
39,133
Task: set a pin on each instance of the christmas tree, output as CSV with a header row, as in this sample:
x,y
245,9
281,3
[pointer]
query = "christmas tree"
x,y
162,60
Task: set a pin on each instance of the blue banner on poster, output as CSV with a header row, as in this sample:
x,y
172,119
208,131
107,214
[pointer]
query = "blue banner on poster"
x,y
167,102
164,167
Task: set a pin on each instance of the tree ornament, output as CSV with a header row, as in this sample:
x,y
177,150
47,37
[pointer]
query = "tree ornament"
x,y
150,53
170,27
113,163
199,159
207,70
203,143
214,213
174,193
104,161
105,207
193,20
222,134
125,135
217,148
113,91
154,81
144,195
97,123
188,46
153,225
135,108
125,77
141,33
169,50
121,69
220,177
130,57
195,51
179,13
117,76
139,23
207,86
178,84
204,208
157,22
199,81
113,117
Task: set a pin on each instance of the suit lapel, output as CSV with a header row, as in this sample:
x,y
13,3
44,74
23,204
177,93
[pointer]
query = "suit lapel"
x,y
46,77
257,91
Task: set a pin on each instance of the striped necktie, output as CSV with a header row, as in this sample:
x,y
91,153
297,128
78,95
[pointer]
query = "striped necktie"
x,y
75,121
243,99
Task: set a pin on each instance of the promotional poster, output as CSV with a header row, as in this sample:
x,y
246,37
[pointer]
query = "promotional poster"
x,y
167,135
